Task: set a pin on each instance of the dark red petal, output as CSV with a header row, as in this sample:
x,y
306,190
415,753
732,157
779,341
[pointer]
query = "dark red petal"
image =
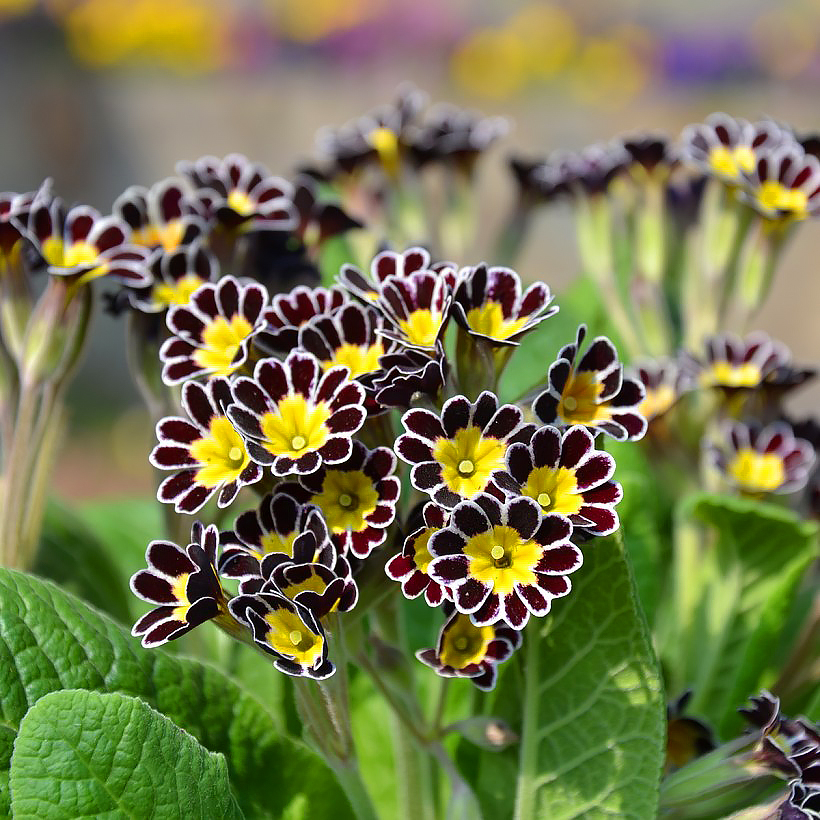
x,y
470,595
577,443
514,611
152,588
455,415
560,560
413,449
449,568
536,602
594,471
524,515
426,476
470,519
423,423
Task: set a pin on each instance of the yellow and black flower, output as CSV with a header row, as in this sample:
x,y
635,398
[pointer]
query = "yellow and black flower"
x,y
385,264
458,455
592,391
664,382
14,214
465,650
757,460
212,332
565,474
208,456
184,585
504,561
295,415
407,373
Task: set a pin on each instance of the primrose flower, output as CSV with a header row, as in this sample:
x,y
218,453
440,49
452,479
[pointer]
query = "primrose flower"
x,y
686,737
161,217
538,181
241,195
410,566
653,155
318,220
212,332
803,802
457,455
205,452
664,383
184,585
384,265
490,306
295,416
14,214
757,460
290,311
288,631
592,391
84,245
357,498
407,373
564,473
784,184
592,169
465,650
503,562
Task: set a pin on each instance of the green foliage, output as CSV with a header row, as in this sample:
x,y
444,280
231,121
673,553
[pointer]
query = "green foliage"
x,y
588,705
84,754
733,593
50,641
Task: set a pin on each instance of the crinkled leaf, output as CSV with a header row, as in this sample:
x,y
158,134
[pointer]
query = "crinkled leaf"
x,y
50,640
586,697
84,754
732,599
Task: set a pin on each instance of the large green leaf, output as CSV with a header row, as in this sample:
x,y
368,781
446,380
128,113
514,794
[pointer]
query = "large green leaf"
x,y
50,640
83,754
588,704
732,599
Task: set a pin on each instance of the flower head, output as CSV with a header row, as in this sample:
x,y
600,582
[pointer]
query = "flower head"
x,y
592,391
205,452
465,650
318,220
212,332
456,456
490,306
295,416
407,373
564,473
589,171
410,566
384,265
757,460
504,561
651,154
14,214
686,737
664,382
288,631
184,585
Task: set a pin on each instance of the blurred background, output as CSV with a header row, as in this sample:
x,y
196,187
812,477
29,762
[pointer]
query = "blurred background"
x,y
102,94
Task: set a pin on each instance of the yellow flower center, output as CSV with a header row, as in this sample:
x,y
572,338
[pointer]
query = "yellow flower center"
x,y
178,293
421,327
290,637
240,202
489,320
731,161
168,235
502,559
657,401
313,583
774,196
468,460
421,551
360,359
276,542
555,489
296,427
221,340
757,472
386,143
464,643
725,374
222,452
180,592
78,254
579,402
347,497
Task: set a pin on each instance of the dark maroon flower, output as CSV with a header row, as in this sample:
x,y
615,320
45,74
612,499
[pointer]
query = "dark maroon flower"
x,y
385,264
503,562
652,154
318,220
664,382
407,373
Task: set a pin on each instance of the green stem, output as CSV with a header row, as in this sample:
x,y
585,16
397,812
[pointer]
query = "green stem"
x,y
528,751
350,779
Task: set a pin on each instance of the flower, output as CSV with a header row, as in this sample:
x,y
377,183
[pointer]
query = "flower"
x,y
357,498
14,214
686,737
384,265
85,245
213,331
538,181
784,184
503,562
465,650
288,631
206,453
653,155
176,276
590,170
564,473
489,305
161,217
457,455
294,416
290,311
241,195
318,220
725,147
184,584
803,802
411,565
664,383
757,460
406,373
593,392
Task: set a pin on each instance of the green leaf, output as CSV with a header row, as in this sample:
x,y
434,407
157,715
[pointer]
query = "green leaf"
x,y
73,556
83,754
7,736
588,704
50,640
732,599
